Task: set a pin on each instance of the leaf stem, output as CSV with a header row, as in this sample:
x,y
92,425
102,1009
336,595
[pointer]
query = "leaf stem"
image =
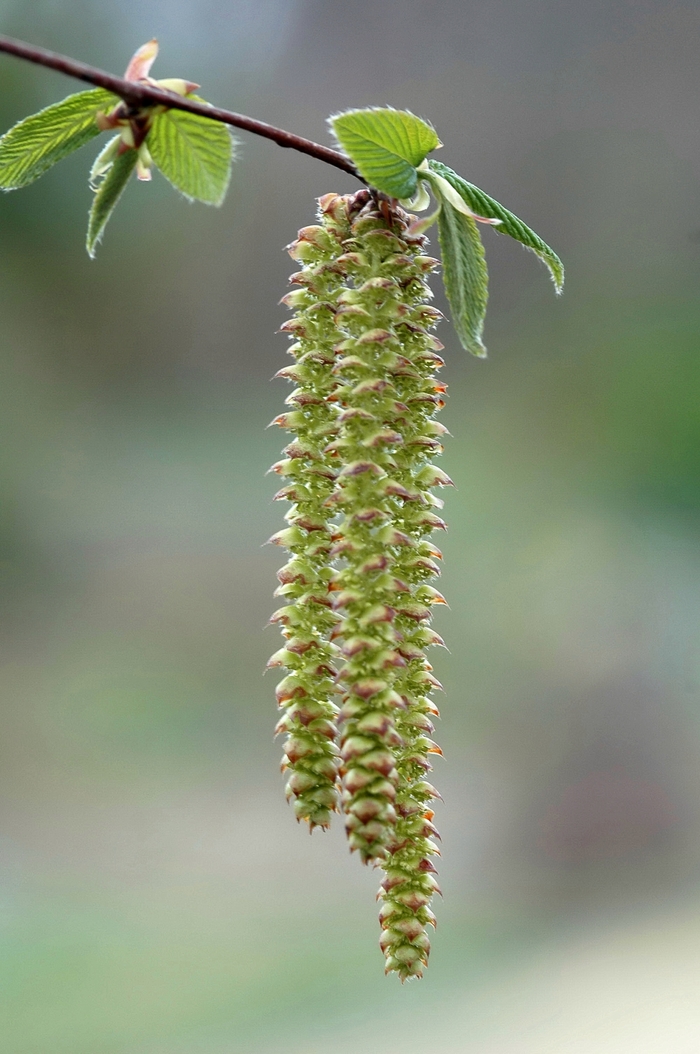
x,y
137,94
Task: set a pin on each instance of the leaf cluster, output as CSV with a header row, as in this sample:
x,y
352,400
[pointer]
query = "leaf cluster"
x,y
193,153
390,150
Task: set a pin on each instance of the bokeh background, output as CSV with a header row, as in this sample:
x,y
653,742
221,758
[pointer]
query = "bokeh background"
x,y
156,896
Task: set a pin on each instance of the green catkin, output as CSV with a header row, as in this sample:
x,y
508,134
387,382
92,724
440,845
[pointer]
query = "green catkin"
x,y
306,694
386,439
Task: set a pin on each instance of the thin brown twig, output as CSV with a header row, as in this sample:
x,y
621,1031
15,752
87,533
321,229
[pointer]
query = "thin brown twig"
x,y
138,94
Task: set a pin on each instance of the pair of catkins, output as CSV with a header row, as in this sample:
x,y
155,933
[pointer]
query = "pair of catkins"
x,y
356,701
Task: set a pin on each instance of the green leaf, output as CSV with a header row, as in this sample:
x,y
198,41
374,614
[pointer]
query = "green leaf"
x,y
464,274
386,146
107,196
39,141
484,205
193,153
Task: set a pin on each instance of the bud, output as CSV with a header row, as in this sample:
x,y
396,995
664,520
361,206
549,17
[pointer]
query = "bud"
x,y
141,61
177,85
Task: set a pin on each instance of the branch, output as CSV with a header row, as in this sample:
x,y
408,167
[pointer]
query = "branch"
x,y
136,94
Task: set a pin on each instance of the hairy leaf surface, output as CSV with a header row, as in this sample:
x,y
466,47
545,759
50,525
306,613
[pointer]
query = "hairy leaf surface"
x,y
39,141
484,205
386,146
193,153
107,196
465,275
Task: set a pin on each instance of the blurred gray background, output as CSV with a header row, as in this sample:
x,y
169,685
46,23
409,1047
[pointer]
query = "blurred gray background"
x,y
156,896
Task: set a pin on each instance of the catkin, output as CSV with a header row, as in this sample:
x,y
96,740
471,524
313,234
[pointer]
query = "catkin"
x,y
305,695
387,437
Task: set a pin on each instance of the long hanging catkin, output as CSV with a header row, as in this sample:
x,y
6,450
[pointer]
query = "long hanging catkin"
x,y
305,694
386,439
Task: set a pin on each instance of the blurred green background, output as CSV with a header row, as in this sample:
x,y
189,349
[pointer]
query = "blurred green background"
x,y
156,896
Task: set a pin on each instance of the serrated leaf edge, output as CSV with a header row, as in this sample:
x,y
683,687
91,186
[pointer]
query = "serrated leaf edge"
x,y
232,157
45,111
529,239
470,340
382,109
129,157
389,151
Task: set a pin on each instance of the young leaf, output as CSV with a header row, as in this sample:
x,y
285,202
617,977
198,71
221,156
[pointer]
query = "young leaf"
x,y
464,274
107,196
39,141
421,226
386,146
487,206
193,153
103,162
